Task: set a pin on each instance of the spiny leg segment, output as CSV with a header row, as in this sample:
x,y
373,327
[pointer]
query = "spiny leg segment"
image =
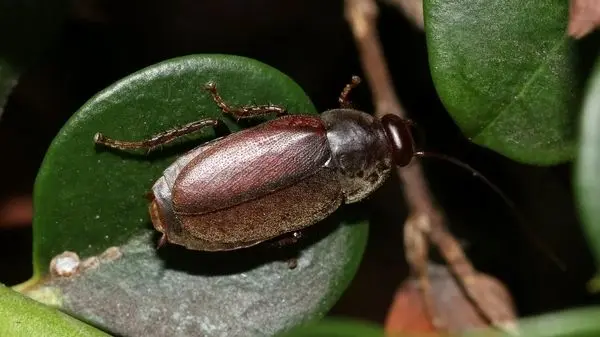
x,y
245,111
158,139
343,99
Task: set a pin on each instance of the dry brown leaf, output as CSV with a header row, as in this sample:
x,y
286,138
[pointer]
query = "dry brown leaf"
x,y
584,17
16,211
408,314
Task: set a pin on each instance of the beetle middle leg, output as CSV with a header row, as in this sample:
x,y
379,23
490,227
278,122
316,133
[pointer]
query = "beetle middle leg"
x,y
343,99
158,139
245,111
288,240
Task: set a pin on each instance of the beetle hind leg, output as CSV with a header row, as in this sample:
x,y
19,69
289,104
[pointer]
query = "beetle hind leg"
x,y
245,111
158,139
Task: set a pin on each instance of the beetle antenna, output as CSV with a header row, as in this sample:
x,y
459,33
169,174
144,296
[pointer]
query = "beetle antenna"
x,y
504,197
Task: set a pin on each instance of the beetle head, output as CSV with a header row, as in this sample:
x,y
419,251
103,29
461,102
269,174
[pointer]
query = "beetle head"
x,y
400,138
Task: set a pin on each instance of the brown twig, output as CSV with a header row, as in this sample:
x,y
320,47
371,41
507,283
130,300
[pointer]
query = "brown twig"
x,y
584,17
425,221
412,9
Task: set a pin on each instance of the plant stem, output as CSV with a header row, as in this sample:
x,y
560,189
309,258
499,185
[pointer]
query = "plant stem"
x,y
412,9
425,221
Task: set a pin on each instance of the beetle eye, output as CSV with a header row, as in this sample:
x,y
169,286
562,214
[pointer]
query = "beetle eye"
x,y
400,138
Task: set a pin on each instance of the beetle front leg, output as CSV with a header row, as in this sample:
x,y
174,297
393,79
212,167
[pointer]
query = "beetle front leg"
x,y
343,100
157,139
246,111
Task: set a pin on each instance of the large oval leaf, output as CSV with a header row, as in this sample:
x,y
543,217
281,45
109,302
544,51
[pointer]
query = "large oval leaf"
x,y
506,73
87,199
336,327
580,322
587,165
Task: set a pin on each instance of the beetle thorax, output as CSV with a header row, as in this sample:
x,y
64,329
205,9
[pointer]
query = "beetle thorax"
x,y
360,151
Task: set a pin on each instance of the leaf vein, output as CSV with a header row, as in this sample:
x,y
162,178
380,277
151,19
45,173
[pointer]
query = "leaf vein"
x,y
524,89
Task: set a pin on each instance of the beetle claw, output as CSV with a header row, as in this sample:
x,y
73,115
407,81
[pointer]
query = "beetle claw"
x,y
292,263
98,138
210,86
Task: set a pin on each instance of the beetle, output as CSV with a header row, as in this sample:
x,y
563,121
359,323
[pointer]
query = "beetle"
x,y
275,179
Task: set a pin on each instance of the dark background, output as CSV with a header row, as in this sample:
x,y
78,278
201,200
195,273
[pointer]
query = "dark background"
x,y
311,42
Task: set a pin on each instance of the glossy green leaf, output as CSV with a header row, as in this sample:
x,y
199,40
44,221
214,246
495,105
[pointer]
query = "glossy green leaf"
x,y
505,71
87,199
27,27
23,317
581,322
587,165
336,327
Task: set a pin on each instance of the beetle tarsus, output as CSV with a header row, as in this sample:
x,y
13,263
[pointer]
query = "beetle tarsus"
x,y
246,111
98,138
292,263
343,99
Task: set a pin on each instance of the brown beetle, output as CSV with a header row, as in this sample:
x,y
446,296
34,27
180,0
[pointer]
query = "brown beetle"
x,y
274,179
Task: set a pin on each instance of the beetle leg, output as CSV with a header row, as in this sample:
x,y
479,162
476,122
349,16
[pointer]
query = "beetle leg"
x,y
288,239
343,100
246,111
292,263
149,196
157,139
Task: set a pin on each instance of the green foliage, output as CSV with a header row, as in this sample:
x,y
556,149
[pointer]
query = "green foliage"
x,y
23,317
335,327
569,323
587,167
505,70
89,198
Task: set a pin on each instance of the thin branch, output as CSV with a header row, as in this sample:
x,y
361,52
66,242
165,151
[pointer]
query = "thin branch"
x,y
412,9
425,220
362,16
584,17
